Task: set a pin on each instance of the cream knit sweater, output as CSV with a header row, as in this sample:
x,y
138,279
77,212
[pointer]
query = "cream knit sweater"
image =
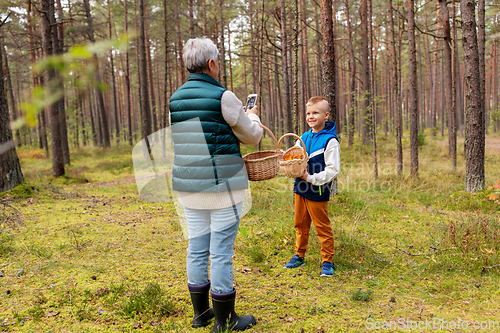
x,y
245,128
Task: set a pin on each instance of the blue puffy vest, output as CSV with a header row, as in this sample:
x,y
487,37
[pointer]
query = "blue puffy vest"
x,y
207,153
315,146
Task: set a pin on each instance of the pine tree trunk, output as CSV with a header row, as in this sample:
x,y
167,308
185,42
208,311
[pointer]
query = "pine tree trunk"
x,y
413,91
230,57
113,81
47,11
10,169
328,57
435,87
222,55
36,81
396,95
90,100
143,89
127,79
251,46
481,40
430,81
279,113
306,78
445,22
204,16
474,122
150,80
101,109
165,118
286,81
453,113
244,61
12,103
191,18
179,49
295,65
365,74
372,80
58,40
495,81
318,76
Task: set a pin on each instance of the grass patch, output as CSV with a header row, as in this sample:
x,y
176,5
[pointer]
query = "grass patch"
x,y
147,303
6,242
361,295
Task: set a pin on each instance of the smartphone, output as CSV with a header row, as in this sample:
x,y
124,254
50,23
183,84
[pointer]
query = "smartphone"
x,y
251,101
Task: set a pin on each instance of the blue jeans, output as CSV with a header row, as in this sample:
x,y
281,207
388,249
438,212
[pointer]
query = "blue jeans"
x,y
212,234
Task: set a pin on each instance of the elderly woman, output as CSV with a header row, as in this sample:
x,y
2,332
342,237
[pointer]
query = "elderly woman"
x,y
208,125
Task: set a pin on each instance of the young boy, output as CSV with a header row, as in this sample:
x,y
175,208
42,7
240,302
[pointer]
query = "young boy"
x,y
312,189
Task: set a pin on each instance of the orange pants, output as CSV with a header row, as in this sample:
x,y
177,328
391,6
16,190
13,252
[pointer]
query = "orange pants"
x,y
317,212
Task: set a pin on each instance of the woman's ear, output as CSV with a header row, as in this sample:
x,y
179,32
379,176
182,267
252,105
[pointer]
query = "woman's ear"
x,y
211,64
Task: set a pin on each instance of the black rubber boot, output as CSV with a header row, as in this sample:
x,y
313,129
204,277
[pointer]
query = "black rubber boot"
x,y
202,310
225,317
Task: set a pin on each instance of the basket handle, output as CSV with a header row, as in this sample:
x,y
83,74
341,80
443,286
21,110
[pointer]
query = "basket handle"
x,y
276,144
304,157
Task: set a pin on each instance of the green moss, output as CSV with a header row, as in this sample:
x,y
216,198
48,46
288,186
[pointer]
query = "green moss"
x,y
21,191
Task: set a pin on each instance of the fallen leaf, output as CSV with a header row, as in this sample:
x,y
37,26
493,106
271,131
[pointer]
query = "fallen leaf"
x,y
52,314
245,269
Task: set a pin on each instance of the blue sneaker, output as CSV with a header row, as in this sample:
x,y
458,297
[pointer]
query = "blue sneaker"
x,y
295,262
328,269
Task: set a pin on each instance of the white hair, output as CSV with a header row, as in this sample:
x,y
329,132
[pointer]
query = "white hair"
x,y
197,52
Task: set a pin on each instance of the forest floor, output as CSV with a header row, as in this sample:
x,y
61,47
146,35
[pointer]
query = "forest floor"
x,y
84,253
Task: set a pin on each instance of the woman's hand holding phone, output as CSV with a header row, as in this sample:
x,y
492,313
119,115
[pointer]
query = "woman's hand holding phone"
x,y
254,110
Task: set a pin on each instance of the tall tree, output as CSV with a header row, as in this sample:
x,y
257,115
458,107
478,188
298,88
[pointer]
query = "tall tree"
x,y
35,78
295,65
481,41
365,74
474,119
8,80
101,109
143,86
191,18
452,136
47,11
413,91
10,169
373,88
328,57
286,81
58,40
352,77
222,56
166,67
113,80
127,77
454,80
396,93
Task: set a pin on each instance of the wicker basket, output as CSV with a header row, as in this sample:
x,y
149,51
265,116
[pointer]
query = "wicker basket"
x,y
293,168
263,165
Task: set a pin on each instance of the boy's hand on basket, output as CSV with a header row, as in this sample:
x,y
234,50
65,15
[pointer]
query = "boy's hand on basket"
x,y
304,173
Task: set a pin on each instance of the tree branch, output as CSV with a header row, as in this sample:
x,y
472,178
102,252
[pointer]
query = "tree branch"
x,y
5,19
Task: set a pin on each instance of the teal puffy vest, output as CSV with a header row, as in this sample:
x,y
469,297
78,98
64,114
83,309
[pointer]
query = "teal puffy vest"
x,y
207,153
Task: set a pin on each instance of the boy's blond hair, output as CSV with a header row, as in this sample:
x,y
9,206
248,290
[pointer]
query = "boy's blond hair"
x,y
317,99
